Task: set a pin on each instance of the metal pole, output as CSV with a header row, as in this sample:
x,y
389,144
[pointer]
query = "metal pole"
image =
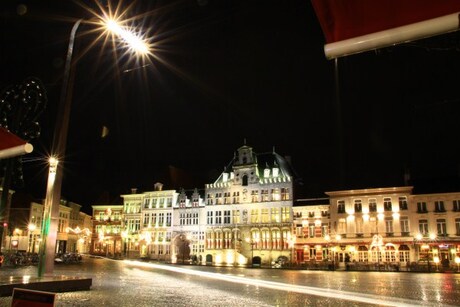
x,y
53,195
252,254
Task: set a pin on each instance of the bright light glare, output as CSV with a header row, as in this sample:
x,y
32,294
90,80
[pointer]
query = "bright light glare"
x,y
330,293
130,38
53,161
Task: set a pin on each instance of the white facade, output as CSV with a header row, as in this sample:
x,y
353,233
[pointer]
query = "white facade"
x,y
148,219
189,225
249,210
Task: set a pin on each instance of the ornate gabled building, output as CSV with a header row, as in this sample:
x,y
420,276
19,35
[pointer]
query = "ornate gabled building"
x,y
249,210
189,225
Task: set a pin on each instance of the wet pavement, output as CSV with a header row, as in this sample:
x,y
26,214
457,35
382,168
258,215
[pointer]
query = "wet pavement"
x,y
123,283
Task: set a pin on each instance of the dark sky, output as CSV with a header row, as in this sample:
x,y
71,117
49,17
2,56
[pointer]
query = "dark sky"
x,y
229,70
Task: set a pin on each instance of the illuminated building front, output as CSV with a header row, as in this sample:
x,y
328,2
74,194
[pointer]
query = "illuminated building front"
x,y
380,229
189,225
154,235
106,234
249,210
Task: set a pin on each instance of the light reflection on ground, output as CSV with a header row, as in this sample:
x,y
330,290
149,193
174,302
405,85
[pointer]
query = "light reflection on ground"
x,y
138,284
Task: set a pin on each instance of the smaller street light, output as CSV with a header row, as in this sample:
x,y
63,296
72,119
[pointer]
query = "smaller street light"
x,y
291,244
436,261
31,227
252,242
334,248
425,247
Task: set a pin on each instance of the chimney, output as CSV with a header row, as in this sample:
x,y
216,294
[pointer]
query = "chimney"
x,y
158,186
133,190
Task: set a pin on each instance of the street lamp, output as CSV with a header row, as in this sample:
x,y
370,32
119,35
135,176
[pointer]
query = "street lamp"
x,y
329,240
291,245
31,227
457,261
252,242
53,195
46,252
424,245
184,240
436,261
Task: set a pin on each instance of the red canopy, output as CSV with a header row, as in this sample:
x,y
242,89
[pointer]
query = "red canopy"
x,y
376,24
11,145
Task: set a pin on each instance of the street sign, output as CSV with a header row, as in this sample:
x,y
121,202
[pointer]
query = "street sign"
x,y
32,298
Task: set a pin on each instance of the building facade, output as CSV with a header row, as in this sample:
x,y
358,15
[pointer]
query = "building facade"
x,y
147,223
73,232
189,225
249,210
107,237
383,228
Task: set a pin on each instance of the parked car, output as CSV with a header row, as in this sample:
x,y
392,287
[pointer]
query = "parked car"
x,y
280,262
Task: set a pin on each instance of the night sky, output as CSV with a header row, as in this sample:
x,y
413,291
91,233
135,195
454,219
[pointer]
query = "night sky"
x,y
226,71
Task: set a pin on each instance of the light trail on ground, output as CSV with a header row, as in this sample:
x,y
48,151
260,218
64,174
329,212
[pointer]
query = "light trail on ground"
x,y
323,292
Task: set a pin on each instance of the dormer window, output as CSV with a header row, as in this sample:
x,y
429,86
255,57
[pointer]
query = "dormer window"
x,y
225,177
266,172
276,172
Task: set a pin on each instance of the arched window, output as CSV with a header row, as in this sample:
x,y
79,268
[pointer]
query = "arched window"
x,y
404,253
376,254
390,253
363,254
245,180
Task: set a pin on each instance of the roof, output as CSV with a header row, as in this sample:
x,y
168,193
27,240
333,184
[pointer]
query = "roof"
x,y
262,161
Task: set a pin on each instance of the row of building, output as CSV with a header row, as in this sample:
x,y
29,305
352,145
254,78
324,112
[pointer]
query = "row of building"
x,y
248,215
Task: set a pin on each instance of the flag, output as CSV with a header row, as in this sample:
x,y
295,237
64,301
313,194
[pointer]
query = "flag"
x,y
353,26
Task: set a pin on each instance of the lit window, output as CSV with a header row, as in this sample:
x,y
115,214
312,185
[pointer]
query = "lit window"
x,y
387,206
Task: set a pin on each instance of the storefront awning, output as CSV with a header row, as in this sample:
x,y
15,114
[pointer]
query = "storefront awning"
x,y
353,26
11,145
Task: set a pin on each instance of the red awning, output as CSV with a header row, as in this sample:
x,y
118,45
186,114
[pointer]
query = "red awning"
x,y
11,145
352,26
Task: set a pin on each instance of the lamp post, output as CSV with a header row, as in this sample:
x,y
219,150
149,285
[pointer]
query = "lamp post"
x,y
425,246
184,240
46,252
457,261
436,261
252,242
329,240
291,244
55,176
31,227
